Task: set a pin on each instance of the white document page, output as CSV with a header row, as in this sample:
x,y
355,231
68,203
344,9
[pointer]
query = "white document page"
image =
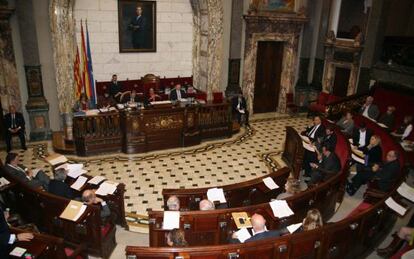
x,y
305,138
96,179
395,206
80,213
105,188
3,182
216,194
268,181
77,185
308,146
358,159
292,228
171,220
243,234
36,171
18,251
280,208
76,174
406,191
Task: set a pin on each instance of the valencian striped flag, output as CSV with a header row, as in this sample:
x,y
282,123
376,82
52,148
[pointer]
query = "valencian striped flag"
x,y
87,77
90,70
77,76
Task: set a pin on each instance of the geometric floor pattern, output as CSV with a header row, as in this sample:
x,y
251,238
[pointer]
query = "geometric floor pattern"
x,y
247,155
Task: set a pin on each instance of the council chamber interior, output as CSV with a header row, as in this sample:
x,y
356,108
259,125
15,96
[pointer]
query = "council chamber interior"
x,y
203,129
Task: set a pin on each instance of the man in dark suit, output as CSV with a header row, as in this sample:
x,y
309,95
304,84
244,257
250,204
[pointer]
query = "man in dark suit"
x,y
328,166
239,108
115,88
385,174
7,239
361,136
369,109
259,230
328,140
36,180
15,125
58,187
138,26
177,93
388,117
89,197
315,132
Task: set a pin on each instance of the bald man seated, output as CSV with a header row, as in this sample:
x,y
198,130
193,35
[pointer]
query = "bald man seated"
x,y
206,205
89,197
369,109
173,203
259,230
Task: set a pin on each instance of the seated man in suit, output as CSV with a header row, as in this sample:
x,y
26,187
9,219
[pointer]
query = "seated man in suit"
x,y
115,88
7,239
15,125
328,140
346,123
152,96
315,133
36,180
385,174
388,117
361,136
259,230
58,187
89,197
369,109
206,205
177,93
106,101
173,203
239,108
328,166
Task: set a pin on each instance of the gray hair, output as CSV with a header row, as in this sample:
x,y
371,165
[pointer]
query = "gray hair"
x,y
60,174
206,205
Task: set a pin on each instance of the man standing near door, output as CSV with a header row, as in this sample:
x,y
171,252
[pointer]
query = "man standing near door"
x,y
15,125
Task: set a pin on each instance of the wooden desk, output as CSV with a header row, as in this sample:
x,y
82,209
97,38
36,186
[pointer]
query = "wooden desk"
x,y
34,247
143,130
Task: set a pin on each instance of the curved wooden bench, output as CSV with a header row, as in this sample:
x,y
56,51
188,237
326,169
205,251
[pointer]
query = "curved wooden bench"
x,y
43,209
213,227
293,151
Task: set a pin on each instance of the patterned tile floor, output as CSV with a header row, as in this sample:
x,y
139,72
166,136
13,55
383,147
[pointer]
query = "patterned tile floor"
x,y
245,156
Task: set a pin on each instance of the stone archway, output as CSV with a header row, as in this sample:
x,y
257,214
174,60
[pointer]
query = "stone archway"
x,y
207,44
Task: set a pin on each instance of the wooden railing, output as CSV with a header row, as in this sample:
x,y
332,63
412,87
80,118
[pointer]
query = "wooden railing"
x,y
293,151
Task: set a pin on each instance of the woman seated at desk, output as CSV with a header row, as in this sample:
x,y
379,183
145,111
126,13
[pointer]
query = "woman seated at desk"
x,y
152,96
83,104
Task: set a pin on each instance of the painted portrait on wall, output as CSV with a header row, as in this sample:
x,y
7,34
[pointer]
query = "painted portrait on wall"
x,y
277,5
137,26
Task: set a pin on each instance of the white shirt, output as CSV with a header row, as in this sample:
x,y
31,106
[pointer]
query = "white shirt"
x,y
313,131
365,113
407,131
178,94
362,138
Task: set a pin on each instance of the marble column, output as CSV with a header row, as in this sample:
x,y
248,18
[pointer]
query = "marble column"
x,y
9,85
207,44
36,106
62,26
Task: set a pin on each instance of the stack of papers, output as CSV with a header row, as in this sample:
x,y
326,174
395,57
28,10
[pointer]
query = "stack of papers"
x,y
392,204
406,191
292,228
92,112
78,184
268,181
216,194
171,220
281,208
106,188
56,159
242,235
96,179
73,211
74,170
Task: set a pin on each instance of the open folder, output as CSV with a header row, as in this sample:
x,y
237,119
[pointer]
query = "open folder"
x,y
56,159
73,211
241,219
268,181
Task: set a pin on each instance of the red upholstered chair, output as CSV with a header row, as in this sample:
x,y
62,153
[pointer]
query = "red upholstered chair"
x,y
201,96
319,105
290,103
217,97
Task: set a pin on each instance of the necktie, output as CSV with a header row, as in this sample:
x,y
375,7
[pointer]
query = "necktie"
x,y
178,95
312,131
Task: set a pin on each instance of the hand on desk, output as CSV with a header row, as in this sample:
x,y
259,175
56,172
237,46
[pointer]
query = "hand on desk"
x,y
24,237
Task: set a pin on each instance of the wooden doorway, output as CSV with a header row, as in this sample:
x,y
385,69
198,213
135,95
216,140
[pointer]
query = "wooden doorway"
x,y
268,74
340,87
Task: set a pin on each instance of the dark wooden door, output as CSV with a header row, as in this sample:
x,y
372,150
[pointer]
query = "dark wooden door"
x,y
341,81
268,74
